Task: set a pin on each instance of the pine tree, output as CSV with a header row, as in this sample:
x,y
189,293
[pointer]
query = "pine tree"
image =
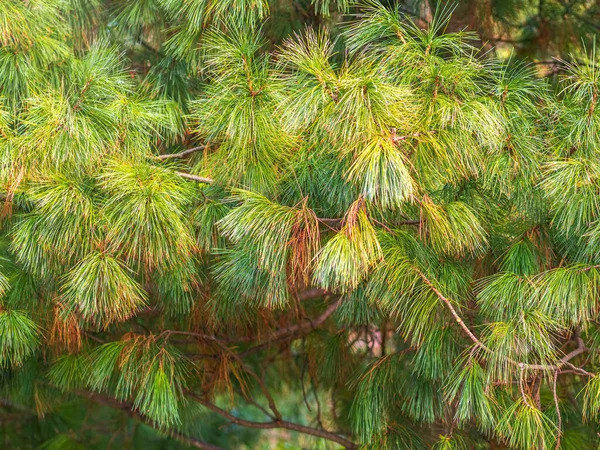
x,y
370,233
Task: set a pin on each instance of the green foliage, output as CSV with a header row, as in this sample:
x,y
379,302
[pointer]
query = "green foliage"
x,y
454,229
62,227
386,179
205,219
397,282
249,140
451,442
524,338
152,233
144,369
522,259
467,387
62,441
436,354
19,338
569,293
347,257
524,426
101,291
69,372
504,296
372,404
356,309
276,238
591,398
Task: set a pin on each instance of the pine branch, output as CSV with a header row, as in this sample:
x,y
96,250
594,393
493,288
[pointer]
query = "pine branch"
x,y
77,105
309,324
558,415
276,424
457,318
182,154
312,293
189,176
564,361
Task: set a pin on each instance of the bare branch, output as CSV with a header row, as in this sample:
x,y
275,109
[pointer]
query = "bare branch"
x,y
189,176
296,329
329,435
282,334
558,416
307,294
182,154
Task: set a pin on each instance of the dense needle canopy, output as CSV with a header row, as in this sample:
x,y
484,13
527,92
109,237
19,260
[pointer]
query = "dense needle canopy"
x,y
372,231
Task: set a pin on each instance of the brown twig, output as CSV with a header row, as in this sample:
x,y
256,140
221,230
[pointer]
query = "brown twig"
x,y
558,416
182,154
189,176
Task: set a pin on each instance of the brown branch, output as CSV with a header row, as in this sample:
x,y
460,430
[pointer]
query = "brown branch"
x,y
147,46
592,105
189,176
311,293
295,330
334,221
282,334
308,294
457,318
558,416
309,324
283,424
251,90
182,154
